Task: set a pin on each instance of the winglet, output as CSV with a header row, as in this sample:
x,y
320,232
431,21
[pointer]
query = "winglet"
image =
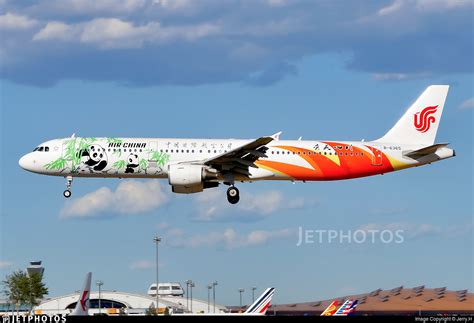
x,y
276,136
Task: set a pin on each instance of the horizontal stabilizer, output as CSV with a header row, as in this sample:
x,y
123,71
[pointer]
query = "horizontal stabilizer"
x,y
424,151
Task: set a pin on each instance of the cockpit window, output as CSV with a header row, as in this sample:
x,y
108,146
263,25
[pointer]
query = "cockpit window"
x,y
46,148
36,149
41,149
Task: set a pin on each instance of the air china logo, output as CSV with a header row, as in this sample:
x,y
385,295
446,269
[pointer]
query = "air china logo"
x,y
424,119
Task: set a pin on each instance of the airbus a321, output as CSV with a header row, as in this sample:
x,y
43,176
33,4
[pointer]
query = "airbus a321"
x,y
192,165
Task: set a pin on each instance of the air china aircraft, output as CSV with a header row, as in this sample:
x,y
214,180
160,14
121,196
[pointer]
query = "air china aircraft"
x,y
192,165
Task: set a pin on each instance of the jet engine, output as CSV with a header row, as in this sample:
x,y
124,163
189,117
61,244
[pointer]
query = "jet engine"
x,y
189,178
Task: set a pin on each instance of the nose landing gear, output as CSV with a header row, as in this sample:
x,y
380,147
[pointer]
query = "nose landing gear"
x,y
67,193
233,195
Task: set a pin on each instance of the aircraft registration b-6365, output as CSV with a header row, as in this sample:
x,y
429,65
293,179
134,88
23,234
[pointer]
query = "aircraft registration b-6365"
x,y
192,165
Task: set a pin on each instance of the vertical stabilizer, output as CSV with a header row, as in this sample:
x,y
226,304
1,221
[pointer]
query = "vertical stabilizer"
x,y
82,305
420,122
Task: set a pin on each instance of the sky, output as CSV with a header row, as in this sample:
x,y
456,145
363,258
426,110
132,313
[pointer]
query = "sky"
x,y
236,69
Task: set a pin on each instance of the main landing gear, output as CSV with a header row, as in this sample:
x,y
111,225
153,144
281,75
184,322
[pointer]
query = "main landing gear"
x,y
67,193
233,195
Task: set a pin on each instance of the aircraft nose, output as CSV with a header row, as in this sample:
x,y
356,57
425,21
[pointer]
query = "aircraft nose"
x,y
23,162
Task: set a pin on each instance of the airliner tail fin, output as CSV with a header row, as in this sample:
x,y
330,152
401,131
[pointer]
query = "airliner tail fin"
x,y
420,122
82,305
260,306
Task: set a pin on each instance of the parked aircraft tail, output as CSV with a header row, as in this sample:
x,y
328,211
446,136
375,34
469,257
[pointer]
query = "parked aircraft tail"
x,y
262,303
348,307
82,305
420,122
331,309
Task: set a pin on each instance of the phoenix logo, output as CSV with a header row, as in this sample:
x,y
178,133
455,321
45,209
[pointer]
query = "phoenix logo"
x,y
424,119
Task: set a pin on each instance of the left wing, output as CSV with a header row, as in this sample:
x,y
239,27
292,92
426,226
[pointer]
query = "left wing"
x,y
238,160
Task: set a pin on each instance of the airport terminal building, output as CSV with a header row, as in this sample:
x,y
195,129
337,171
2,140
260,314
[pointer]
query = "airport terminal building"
x,y
124,303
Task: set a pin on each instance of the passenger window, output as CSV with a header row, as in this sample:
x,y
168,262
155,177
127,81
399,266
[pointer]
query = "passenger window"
x,y
200,151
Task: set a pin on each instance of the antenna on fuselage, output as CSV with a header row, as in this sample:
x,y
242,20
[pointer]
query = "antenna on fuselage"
x,y
299,139
73,135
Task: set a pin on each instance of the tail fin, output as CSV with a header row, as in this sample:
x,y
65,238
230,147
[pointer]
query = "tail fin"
x,y
82,305
420,122
331,309
353,307
346,308
262,303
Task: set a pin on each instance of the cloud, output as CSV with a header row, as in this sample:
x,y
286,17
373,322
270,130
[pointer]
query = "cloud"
x,y
227,239
468,104
147,43
86,7
130,197
142,264
55,30
423,5
10,21
212,206
417,230
109,33
5,264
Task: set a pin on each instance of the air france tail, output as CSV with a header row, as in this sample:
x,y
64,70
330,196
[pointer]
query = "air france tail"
x,y
82,305
260,306
420,122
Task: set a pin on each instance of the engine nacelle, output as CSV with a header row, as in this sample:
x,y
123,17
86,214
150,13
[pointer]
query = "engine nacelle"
x,y
187,178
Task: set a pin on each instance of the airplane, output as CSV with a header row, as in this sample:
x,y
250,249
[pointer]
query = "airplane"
x,y
192,165
82,305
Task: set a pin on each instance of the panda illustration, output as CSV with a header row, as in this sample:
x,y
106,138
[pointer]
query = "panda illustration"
x,y
133,164
98,158
93,159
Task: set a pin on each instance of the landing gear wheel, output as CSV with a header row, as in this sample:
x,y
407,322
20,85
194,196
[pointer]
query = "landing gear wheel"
x,y
67,193
233,195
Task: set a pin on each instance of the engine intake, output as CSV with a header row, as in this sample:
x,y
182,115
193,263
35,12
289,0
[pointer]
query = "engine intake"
x,y
188,178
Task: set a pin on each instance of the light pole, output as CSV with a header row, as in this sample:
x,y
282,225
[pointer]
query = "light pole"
x,y
157,240
99,283
214,284
192,285
241,290
188,284
209,287
253,294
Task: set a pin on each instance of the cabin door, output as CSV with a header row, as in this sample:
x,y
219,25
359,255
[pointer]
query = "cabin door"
x,y
377,156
